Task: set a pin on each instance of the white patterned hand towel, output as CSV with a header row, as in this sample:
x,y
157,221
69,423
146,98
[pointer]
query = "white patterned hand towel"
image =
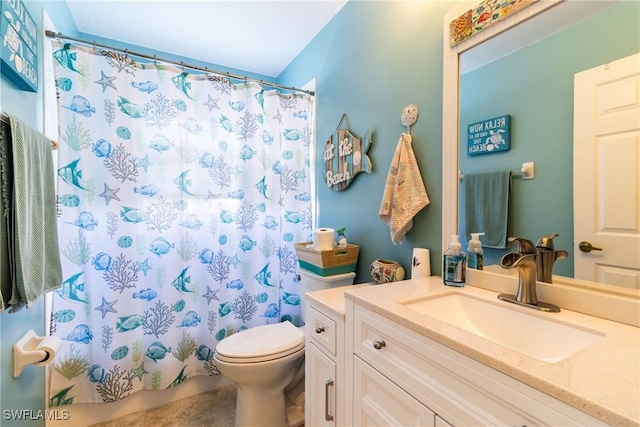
x,y
404,192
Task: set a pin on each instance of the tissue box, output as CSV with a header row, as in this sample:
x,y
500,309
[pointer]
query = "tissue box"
x,y
327,263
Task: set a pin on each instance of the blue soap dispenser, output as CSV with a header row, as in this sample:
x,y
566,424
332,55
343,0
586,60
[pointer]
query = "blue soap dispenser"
x,y
454,264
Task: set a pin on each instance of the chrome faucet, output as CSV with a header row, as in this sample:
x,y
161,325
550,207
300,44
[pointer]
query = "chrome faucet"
x,y
547,256
525,260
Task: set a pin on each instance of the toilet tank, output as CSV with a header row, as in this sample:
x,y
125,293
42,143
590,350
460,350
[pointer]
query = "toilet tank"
x,y
310,282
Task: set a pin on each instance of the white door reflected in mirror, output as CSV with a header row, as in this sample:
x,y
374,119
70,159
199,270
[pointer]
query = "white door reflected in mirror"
x,y
606,184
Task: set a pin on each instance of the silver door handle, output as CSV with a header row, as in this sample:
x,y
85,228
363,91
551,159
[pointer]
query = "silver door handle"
x,y
587,247
327,415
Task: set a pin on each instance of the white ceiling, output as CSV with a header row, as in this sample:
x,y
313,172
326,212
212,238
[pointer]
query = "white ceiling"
x,y
259,36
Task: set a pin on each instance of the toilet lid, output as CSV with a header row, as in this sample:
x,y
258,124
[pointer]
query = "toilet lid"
x,y
261,343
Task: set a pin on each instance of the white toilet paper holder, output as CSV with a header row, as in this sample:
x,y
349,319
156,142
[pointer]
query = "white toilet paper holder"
x,y
25,352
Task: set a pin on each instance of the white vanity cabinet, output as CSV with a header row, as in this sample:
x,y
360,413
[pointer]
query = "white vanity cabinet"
x,y
324,367
403,378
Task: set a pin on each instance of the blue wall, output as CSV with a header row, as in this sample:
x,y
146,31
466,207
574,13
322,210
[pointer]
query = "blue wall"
x,y
542,127
370,61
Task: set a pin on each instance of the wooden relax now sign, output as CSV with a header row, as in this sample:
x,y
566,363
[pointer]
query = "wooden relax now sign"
x,y
18,57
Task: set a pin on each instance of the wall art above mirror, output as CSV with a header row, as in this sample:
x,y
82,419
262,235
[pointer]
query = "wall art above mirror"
x,y
481,16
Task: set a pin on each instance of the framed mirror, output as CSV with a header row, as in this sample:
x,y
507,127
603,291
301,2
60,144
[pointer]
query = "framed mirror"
x,y
507,40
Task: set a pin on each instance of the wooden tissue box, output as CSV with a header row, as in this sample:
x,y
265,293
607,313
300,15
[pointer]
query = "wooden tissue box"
x,y
327,263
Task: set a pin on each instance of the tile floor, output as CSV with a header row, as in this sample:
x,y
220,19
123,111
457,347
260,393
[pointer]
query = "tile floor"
x,y
213,409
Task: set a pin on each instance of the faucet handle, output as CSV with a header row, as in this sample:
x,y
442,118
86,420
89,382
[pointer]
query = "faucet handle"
x,y
525,246
546,241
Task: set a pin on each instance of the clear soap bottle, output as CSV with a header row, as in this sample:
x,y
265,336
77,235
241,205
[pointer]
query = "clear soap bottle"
x,y
474,252
454,264
342,238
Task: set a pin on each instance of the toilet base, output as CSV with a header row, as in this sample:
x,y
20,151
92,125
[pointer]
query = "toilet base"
x,y
266,409
295,416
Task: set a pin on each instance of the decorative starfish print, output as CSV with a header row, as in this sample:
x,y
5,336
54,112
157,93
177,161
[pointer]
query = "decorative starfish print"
x,y
106,307
211,295
143,266
106,82
143,162
212,103
109,194
139,372
233,260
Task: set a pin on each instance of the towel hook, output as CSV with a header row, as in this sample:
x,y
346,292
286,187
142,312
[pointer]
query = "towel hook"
x,y
409,116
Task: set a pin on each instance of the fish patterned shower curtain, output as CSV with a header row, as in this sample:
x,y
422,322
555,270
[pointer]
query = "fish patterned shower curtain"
x,y
180,198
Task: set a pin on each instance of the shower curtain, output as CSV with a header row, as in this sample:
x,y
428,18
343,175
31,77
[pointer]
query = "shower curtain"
x,y
180,198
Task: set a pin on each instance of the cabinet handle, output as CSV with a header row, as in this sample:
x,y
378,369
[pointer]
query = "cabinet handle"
x,y
327,415
378,344
319,329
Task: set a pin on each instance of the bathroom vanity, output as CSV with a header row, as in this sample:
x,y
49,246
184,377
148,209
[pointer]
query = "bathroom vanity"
x,y
399,354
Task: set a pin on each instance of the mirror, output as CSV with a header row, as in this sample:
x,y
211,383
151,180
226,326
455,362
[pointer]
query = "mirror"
x,y
475,90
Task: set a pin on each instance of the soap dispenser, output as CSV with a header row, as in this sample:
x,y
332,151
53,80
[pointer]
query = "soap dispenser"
x,y
474,252
454,264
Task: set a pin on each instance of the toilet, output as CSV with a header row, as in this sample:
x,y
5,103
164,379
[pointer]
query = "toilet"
x,y
267,364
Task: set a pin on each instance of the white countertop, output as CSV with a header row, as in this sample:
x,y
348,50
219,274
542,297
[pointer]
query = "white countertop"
x,y
602,380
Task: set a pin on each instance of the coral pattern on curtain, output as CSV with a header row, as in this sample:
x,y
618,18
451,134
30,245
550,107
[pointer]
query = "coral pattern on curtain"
x,y
180,198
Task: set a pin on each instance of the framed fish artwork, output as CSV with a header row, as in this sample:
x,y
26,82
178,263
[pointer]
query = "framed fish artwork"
x,y
345,156
18,51
482,16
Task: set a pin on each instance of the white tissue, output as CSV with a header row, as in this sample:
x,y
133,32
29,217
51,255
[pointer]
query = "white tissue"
x,y
420,264
324,239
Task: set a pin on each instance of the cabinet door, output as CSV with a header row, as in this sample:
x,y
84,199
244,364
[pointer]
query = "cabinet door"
x,y
379,402
320,388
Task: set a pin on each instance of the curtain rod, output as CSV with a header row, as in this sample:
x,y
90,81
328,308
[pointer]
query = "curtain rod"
x,y
54,35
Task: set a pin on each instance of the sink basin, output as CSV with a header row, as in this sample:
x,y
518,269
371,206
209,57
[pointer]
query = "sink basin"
x,y
542,337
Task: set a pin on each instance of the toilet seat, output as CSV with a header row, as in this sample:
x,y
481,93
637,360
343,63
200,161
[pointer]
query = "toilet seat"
x,y
261,344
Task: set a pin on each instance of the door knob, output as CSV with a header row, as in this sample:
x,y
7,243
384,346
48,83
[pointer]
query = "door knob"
x,y
587,247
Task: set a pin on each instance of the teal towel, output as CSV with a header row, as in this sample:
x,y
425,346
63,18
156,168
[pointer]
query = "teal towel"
x,y
487,207
33,252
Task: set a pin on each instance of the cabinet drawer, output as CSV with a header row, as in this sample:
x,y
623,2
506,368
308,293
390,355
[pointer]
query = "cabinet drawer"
x,y
456,387
379,402
321,329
